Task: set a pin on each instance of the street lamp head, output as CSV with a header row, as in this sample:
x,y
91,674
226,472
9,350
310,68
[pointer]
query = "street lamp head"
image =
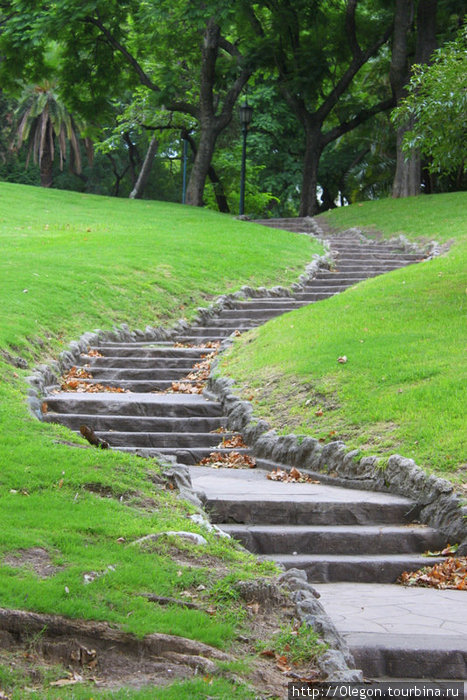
x,y
246,113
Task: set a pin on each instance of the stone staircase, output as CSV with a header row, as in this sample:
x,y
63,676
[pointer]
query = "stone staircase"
x,y
340,537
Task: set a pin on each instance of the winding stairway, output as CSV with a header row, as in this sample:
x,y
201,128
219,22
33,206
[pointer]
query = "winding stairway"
x,y
353,544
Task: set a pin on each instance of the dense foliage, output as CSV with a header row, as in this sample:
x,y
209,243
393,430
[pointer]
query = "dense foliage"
x,y
145,78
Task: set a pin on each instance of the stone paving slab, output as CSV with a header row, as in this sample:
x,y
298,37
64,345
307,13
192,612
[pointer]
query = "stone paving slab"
x,y
401,631
252,484
385,608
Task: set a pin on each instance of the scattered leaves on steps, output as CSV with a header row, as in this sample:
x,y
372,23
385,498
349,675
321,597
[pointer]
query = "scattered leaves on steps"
x,y
195,380
231,460
234,441
451,573
449,549
92,353
73,380
294,476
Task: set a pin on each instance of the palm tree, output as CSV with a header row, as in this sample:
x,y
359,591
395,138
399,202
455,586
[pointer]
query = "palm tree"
x,y
43,122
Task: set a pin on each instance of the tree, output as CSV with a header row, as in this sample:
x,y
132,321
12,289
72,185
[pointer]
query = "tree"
x,y
318,49
434,112
43,124
189,56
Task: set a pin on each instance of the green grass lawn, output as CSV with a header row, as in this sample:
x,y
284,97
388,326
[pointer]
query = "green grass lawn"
x,y
403,388
71,263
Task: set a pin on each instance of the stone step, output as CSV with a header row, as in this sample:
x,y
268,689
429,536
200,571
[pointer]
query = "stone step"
x,y
103,403
233,497
207,333
363,568
398,631
121,374
288,305
134,362
239,320
158,440
189,456
302,512
259,314
149,424
311,297
348,278
377,268
148,351
135,385
350,253
336,539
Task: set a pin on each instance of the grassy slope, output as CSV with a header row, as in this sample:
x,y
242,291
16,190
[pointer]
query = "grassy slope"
x,y
403,387
87,262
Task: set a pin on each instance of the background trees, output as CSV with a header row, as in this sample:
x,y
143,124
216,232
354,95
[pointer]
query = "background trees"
x,y
322,76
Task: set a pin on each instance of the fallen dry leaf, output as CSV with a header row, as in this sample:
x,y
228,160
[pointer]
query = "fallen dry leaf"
x,y
234,441
231,460
294,476
451,573
449,549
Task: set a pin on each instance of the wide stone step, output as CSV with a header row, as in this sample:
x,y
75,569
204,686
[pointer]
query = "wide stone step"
x,y
381,568
138,423
224,510
148,351
401,632
261,314
267,302
335,539
135,362
188,456
207,333
375,268
330,278
311,297
166,405
158,440
134,385
119,374
350,253
239,320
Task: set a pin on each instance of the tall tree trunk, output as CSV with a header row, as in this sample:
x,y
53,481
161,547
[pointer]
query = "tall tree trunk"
x,y
408,176
201,164
46,165
313,149
138,189
218,188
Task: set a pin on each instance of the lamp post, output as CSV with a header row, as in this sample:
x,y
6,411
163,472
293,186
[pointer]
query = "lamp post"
x,y
246,113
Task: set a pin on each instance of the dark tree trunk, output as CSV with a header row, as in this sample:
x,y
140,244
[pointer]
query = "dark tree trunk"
x,y
46,166
141,182
408,176
219,193
313,149
208,134
201,164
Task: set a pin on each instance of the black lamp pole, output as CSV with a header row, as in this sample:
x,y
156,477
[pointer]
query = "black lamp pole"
x,y
246,113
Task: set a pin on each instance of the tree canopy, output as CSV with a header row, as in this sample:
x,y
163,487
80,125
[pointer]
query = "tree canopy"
x,y
322,76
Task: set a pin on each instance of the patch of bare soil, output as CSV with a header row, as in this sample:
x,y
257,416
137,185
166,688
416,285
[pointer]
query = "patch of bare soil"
x,y
55,651
36,559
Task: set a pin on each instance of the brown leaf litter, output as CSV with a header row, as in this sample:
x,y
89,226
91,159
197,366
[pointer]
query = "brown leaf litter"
x,y
451,573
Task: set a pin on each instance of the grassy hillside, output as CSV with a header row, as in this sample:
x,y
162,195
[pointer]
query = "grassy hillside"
x,y
71,263
403,387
